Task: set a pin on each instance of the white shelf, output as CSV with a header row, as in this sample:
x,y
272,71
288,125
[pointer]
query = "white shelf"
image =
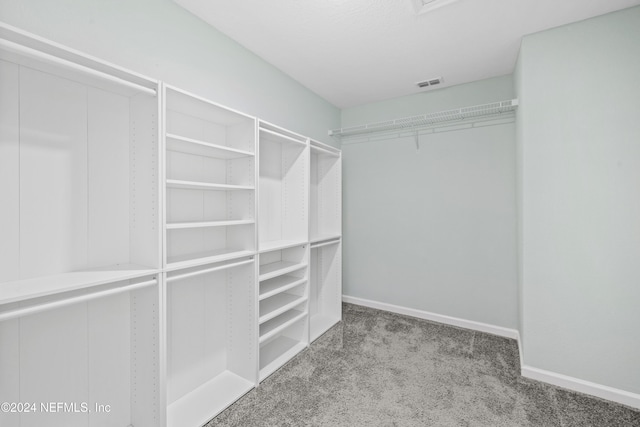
x,y
205,224
278,304
193,185
275,245
270,328
274,269
208,400
276,353
21,290
183,144
439,118
196,259
279,284
321,323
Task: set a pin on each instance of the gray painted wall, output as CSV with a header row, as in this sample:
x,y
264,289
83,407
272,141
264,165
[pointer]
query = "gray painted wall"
x,y
434,229
163,41
579,146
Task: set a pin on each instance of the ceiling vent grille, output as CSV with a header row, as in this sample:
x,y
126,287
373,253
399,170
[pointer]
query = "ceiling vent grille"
x,y
424,6
429,82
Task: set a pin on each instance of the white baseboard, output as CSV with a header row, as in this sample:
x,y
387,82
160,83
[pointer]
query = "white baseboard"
x,y
582,386
518,339
448,320
560,380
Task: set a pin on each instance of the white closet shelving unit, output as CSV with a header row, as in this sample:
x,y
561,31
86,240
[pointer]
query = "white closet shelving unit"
x,y
160,254
325,187
282,308
80,247
211,329
325,231
457,118
210,248
210,181
283,247
283,209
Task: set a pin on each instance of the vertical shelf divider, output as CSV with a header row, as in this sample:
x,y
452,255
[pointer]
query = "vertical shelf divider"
x,y
210,235
325,230
283,246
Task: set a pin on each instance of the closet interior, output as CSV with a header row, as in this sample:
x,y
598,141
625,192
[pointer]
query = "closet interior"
x,y
80,306
161,254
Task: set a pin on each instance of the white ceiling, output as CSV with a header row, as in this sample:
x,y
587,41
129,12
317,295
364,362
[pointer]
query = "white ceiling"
x,y
352,52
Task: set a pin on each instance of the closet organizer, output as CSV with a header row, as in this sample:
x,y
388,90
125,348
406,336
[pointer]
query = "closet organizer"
x,y
161,254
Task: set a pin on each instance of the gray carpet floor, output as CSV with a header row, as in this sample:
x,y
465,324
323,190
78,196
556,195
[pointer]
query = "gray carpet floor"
x,y
382,369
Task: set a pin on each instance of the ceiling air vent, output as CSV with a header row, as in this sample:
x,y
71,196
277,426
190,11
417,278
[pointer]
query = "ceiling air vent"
x,y
424,6
430,82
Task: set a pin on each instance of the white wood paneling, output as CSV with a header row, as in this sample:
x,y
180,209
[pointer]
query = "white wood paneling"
x,y
145,212
325,279
188,205
9,172
185,205
109,359
283,208
295,179
183,124
146,358
108,192
190,167
54,364
242,339
270,208
194,241
211,339
53,174
238,204
325,194
196,327
242,135
10,369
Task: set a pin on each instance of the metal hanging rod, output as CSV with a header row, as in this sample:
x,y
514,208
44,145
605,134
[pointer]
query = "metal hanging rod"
x,y
207,270
327,243
444,118
17,49
20,312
